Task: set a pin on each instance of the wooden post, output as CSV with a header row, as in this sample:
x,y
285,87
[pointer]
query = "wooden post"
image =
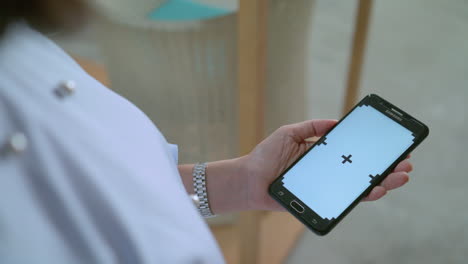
x,y
252,41
361,29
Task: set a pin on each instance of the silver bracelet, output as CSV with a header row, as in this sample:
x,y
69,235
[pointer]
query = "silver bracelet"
x,y
199,186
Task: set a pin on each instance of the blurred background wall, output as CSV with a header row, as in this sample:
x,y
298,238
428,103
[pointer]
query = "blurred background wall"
x,y
417,57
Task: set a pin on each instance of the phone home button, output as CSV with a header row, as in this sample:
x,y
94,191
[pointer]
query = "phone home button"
x,y
296,206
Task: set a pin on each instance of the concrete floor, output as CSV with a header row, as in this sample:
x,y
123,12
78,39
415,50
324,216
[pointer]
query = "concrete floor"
x,y
418,59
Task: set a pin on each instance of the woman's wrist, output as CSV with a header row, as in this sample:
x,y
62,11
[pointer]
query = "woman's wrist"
x,y
226,184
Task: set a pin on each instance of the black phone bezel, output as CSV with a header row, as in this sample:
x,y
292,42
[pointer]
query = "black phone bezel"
x,y
323,226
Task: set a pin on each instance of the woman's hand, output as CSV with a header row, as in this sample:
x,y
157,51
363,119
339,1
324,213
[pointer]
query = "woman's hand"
x,y
278,151
242,184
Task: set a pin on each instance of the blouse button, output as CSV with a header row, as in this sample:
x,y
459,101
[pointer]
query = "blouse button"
x,y
67,88
16,144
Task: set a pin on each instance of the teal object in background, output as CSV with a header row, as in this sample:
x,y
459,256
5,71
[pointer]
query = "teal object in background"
x,y
186,10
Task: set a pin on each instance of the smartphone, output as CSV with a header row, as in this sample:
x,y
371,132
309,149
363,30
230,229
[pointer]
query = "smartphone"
x,y
341,168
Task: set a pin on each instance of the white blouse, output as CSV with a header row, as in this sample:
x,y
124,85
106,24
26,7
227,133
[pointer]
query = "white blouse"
x,y
85,176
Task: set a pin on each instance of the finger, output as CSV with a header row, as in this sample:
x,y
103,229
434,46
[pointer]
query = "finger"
x,y
311,128
277,208
395,180
405,165
376,193
273,205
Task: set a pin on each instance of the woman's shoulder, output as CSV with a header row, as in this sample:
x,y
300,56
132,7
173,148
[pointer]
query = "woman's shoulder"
x,y
22,41
31,64
37,76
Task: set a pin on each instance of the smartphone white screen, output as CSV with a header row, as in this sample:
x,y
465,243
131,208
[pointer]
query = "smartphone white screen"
x,y
333,174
